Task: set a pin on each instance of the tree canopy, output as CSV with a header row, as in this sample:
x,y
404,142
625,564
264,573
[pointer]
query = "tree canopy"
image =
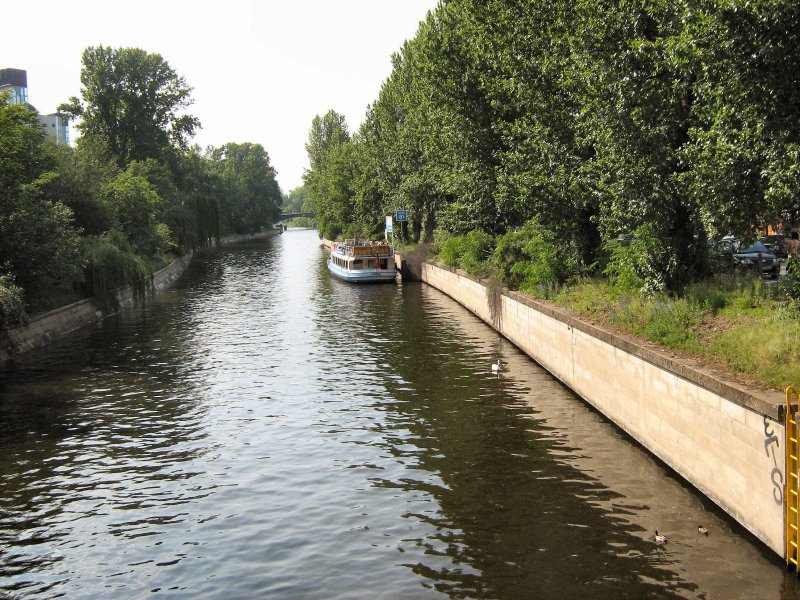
x,y
131,193
673,121
132,102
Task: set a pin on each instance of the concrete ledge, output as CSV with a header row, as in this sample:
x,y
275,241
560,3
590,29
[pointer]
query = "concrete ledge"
x,y
723,438
770,404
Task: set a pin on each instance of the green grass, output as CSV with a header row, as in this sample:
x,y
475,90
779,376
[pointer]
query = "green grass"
x,y
742,324
52,298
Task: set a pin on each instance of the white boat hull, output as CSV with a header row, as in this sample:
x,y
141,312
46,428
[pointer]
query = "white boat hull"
x,y
362,276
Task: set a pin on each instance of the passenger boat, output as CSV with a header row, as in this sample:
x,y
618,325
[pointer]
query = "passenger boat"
x,y
362,261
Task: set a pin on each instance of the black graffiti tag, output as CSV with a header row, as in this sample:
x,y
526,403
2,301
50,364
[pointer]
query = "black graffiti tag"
x,y
776,475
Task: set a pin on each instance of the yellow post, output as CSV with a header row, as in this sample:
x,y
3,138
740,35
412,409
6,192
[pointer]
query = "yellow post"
x,y
792,486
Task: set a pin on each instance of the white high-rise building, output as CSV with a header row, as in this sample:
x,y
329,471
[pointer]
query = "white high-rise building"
x,y
16,80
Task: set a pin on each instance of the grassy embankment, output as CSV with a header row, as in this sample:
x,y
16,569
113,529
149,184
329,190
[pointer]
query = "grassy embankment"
x,y
740,325
62,294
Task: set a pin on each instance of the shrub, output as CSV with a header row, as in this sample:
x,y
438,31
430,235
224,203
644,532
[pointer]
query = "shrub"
x,y
111,265
791,282
532,260
12,304
476,249
624,269
451,251
469,252
641,263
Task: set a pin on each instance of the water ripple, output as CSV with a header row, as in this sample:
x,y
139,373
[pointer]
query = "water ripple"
x,y
263,430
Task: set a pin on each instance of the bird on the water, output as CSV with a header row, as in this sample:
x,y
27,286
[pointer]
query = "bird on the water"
x,y
660,538
702,530
496,366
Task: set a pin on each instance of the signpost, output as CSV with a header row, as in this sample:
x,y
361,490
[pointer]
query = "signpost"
x,y
402,216
389,228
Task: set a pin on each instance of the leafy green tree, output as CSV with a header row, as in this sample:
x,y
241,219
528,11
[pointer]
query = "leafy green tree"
x,y
12,304
132,102
81,173
135,205
745,142
38,242
196,216
328,180
111,264
251,197
21,157
295,200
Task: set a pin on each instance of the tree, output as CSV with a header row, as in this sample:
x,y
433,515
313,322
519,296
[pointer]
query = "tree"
x,y
252,197
38,242
81,173
132,103
196,215
295,200
134,205
21,157
328,179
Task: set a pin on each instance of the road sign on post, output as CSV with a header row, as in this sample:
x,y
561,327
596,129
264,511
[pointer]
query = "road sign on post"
x,y
389,223
402,217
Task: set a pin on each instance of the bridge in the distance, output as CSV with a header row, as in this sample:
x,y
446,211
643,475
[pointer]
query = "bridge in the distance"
x,y
287,216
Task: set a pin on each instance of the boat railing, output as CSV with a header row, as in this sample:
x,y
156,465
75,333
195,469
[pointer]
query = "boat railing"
x,y
357,247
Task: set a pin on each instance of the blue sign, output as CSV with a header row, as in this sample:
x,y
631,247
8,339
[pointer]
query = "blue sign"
x,y
402,215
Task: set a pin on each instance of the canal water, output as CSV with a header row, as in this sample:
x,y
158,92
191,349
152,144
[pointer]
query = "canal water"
x,y
265,431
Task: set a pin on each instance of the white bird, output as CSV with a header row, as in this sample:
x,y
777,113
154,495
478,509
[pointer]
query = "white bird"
x,y
496,367
660,539
702,530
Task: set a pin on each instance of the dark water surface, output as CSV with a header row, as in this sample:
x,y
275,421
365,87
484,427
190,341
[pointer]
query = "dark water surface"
x,y
264,431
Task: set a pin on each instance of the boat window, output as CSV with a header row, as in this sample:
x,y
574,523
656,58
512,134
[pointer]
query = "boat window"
x,y
357,264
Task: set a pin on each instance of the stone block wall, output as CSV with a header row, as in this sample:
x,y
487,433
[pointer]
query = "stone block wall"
x,y
724,439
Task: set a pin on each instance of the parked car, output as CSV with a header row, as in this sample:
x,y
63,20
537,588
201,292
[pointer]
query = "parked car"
x,y
748,258
626,239
727,246
722,251
775,244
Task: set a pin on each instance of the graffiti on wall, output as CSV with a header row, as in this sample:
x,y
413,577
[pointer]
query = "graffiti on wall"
x,y
771,446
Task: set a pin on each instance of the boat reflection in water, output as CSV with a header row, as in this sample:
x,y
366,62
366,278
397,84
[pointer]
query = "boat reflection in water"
x,y
362,261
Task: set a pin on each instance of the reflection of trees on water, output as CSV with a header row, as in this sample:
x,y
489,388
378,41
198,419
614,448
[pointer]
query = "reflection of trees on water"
x,y
512,519
92,425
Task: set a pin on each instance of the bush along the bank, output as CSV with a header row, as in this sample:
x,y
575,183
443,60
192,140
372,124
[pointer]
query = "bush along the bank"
x,y
112,265
746,324
12,304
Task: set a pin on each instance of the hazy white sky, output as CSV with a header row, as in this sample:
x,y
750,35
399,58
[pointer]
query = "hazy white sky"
x,y
261,70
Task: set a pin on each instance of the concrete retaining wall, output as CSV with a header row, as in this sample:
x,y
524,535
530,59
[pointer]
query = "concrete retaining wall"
x,y
724,439
61,321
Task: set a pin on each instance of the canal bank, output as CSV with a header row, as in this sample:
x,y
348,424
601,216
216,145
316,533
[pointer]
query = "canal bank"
x,y
66,319
724,439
